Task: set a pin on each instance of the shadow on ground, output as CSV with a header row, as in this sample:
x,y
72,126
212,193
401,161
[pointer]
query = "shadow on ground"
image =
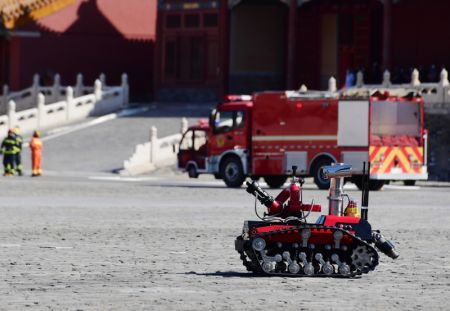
x,y
227,274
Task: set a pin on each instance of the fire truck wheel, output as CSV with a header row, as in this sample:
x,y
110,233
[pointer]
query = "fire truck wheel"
x,y
376,185
319,178
357,180
192,172
232,172
275,181
409,182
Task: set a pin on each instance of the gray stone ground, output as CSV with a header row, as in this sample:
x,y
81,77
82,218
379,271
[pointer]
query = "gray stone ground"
x,y
104,147
166,243
94,241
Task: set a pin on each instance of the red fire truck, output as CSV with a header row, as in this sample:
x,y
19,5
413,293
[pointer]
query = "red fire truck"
x,y
264,135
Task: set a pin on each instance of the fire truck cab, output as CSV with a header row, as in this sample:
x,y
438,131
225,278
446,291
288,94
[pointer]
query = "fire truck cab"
x,y
227,143
264,135
192,152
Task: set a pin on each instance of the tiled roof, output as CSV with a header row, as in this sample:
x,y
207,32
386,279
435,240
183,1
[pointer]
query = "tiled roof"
x,y
16,12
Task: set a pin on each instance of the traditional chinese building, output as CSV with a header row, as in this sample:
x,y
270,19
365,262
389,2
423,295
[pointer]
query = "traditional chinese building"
x,y
206,48
87,36
13,15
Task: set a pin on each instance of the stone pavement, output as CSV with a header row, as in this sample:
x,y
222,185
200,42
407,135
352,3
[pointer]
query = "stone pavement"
x,y
79,243
104,147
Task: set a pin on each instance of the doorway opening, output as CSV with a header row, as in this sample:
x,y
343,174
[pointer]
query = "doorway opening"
x,y
257,46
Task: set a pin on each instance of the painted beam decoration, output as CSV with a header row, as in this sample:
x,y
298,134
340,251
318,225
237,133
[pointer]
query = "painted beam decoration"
x,y
166,5
14,13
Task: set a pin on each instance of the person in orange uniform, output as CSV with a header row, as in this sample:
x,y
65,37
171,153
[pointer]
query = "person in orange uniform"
x,y
36,154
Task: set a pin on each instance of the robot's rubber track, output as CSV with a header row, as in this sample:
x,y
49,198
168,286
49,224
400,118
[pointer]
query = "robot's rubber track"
x,y
252,263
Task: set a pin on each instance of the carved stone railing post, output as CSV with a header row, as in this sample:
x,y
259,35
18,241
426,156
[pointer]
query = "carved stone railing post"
x,y
386,78
5,94
415,78
184,125
35,89
102,79
98,90
332,85
56,89
359,79
11,114
444,87
78,91
153,144
444,78
69,102
125,90
41,111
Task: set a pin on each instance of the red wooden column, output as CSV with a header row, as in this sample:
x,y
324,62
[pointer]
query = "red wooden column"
x,y
387,34
224,46
291,45
4,60
15,69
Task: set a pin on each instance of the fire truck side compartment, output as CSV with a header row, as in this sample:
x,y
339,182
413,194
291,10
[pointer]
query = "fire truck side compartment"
x,y
353,123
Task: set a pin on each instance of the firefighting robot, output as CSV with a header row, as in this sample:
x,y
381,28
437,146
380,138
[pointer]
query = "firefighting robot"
x,y
341,243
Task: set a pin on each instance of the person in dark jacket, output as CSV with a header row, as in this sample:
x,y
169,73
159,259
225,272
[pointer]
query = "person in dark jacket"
x,y
9,150
18,158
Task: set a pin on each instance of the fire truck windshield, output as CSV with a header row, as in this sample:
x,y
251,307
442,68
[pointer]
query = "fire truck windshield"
x,y
396,118
225,121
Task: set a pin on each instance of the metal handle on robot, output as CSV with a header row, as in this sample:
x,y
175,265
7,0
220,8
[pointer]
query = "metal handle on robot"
x,y
339,170
262,196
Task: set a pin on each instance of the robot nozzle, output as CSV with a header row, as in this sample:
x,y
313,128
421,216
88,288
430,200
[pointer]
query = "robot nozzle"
x,y
336,171
262,196
384,245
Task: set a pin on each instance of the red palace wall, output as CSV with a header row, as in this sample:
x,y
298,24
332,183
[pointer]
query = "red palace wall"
x,y
91,37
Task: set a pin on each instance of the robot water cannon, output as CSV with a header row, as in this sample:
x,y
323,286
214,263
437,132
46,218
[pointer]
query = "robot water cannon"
x,y
263,197
275,206
339,170
288,203
337,173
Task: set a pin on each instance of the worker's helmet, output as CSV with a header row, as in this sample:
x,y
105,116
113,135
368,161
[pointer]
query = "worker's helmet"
x,y
36,134
17,130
